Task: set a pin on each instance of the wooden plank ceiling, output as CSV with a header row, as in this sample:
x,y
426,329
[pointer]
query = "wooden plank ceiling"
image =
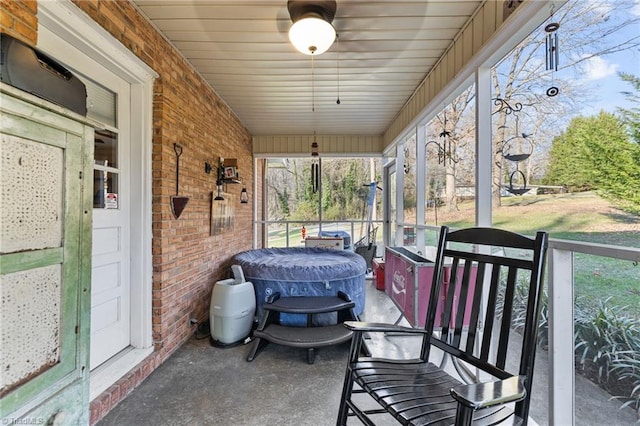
x,y
385,49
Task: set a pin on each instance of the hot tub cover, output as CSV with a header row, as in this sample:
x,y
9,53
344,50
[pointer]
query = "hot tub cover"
x,y
298,271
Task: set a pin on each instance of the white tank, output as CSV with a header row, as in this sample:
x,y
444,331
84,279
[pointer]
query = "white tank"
x,y
232,310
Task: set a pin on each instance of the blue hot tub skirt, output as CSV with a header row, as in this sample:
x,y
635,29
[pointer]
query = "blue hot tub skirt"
x,y
297,271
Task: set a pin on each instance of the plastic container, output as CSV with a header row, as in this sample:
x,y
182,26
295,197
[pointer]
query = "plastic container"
x,y
232,311
346,237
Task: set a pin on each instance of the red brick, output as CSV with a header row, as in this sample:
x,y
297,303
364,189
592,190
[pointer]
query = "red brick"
x,y
187,260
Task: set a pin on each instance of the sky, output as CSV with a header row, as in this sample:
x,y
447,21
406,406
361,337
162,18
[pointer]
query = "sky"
x,y
600,73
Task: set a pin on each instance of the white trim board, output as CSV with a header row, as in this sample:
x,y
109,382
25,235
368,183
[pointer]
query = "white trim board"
x,y
62,20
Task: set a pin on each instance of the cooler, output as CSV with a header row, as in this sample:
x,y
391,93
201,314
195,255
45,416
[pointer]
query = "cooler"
x,y
378,273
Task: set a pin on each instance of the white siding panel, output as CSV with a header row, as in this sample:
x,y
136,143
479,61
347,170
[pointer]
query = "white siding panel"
x,y
467,44
458,53
479,30
489,11
300,145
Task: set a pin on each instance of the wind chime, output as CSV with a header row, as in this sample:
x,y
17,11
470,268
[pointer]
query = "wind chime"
x,y
315,165
445,150
315,156
552,53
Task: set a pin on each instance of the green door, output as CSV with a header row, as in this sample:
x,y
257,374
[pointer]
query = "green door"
x,y
45,254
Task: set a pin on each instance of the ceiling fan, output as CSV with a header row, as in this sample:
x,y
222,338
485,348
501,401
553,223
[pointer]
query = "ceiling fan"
x,y
312,32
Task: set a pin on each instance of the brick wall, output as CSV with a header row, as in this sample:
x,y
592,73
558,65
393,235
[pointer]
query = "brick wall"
x,y
186,259
18,18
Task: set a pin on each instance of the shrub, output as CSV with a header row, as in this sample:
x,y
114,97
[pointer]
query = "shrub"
x,y
627,367
520,311
606,342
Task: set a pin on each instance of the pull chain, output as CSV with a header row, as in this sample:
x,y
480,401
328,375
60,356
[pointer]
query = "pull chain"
x,y
313,90
338,66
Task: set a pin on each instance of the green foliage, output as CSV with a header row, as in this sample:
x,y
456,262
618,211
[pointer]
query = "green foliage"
x,y
283,202
519,317
631,116
626,365
344,197
608,341
595,153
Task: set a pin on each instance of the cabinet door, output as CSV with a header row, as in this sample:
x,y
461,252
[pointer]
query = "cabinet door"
x,y
44,259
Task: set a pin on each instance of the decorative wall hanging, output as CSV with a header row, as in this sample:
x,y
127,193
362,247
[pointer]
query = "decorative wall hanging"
x,y
227,172
178,203
222,214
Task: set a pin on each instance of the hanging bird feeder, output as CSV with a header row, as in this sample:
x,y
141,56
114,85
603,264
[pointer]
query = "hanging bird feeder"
x,y
513,178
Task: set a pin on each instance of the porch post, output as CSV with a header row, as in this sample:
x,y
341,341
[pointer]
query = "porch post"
x,y
421,173
561,351
484,148
398,233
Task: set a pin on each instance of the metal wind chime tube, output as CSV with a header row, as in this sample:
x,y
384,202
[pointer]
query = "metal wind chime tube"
x,y
552,53
552,47
315,166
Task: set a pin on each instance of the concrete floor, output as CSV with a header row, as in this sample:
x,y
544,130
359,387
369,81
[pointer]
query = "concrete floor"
x,y
203,385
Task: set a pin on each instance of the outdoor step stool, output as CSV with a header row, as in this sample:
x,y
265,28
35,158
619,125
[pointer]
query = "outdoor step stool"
x,y
309,337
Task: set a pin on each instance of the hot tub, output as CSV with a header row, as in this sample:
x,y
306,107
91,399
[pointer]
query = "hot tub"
x,y
297,271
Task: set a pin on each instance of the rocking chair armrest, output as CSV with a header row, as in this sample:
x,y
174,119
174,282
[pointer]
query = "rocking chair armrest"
x,y
482,395
380,327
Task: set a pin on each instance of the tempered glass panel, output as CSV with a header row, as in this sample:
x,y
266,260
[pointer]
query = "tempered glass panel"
x,y
105,190
106,148
101,102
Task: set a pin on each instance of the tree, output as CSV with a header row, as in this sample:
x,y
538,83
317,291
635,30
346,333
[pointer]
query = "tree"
x,y
588,30
291,197
631,116
596,153
452,135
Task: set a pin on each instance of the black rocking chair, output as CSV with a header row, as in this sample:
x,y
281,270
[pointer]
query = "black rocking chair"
x,y
494,271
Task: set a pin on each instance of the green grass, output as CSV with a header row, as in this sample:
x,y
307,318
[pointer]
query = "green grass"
x,y
578,217
597,278
278,236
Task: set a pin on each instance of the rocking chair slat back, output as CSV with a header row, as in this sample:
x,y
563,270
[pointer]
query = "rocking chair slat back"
x,y
493,275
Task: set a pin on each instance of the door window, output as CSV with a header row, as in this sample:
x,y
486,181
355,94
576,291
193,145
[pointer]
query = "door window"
x,y
101,106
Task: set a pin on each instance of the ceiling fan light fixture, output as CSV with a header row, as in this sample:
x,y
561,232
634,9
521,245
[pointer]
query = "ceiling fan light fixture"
x,y
312,32
312,35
